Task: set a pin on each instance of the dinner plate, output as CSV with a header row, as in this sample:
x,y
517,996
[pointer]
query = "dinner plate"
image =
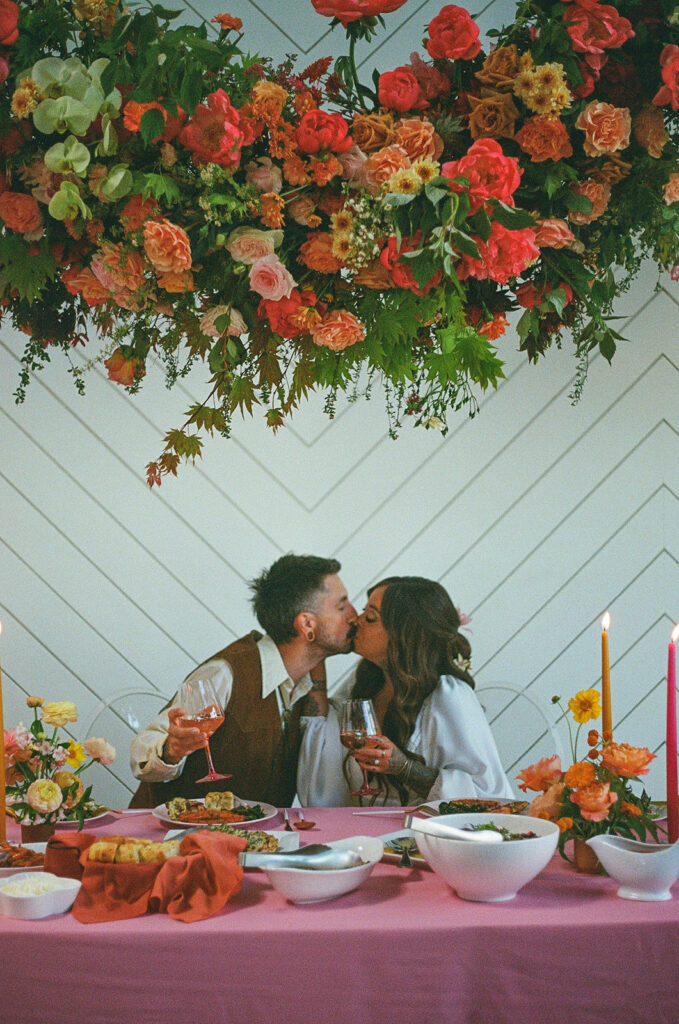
x,y
37,848
269,810
286,840
488,806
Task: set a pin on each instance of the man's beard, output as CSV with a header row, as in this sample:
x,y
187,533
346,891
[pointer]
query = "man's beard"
x,y
330,645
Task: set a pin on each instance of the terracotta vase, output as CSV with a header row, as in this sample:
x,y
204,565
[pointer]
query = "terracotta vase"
x,y
37,833
585,858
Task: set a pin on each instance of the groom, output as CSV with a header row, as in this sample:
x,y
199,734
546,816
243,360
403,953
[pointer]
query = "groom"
x,y
261,680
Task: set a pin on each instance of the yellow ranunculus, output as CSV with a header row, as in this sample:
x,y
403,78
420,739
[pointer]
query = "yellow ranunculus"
x,y
76,755
59,712
44,796
585,705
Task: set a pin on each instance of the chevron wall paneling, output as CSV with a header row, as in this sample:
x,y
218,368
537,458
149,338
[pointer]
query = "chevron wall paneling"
x,y
537,515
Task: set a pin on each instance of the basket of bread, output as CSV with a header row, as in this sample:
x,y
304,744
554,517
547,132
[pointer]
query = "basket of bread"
x,y
125,850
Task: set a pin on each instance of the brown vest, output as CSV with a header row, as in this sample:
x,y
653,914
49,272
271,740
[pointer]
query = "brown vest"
x,y
250,745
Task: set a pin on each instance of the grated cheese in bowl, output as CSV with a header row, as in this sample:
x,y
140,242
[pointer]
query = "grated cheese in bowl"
x,y
35,885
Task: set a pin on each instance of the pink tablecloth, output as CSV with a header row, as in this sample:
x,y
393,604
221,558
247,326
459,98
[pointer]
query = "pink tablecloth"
x,y
401,949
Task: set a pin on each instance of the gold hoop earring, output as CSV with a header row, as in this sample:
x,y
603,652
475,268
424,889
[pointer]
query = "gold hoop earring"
x,y
311,636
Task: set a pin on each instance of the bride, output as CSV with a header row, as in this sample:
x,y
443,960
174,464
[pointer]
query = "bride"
x,y
435,742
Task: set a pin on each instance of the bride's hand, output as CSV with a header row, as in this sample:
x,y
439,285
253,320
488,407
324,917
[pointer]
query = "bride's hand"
x,y
381,756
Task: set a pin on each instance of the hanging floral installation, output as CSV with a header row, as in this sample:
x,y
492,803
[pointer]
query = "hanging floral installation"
x,y
167,196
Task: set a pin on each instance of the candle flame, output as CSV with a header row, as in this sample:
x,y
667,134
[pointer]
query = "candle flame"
x,y
675,633
606,621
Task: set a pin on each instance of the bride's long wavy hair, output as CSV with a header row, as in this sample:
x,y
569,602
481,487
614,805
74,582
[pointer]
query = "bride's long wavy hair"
x,y
424,643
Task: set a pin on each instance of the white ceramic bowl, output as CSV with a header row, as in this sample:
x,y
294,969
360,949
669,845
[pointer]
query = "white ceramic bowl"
x,y
490,872
303,886
29,908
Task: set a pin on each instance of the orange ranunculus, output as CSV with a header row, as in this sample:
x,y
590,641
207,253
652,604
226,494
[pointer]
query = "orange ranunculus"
x,y
81,281
582,773
649,130
268,100
544,138
338,330
607,128
316,253
167,246
500,68
20,212
137,210
418,137
594,800
598,193
626,761
371,132
548,804
380,166
492,117
124,369
541,775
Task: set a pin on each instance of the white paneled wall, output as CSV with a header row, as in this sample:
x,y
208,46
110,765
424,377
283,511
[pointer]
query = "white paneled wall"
x,y
536,515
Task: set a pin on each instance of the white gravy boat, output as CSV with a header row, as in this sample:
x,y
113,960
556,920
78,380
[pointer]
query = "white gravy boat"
x,y
644,871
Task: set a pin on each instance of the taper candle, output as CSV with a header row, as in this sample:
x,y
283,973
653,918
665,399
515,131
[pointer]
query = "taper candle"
x,y
606,719
671,743
3,820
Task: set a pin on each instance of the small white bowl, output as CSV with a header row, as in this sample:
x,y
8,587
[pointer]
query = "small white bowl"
x,y
490,872
303,886
30,908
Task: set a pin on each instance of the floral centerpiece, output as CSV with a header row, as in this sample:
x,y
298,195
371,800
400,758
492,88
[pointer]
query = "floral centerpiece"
x,y
594,795
43,783
299,229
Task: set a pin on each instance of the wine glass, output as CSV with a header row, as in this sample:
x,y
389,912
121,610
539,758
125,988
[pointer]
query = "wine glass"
x,y
202,708
358,724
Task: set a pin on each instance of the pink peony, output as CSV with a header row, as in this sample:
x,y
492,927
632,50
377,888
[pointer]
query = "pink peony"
x,y
491,173
453,35
347,11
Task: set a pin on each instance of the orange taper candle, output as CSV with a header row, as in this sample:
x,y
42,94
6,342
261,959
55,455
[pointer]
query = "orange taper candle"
x,y
606,718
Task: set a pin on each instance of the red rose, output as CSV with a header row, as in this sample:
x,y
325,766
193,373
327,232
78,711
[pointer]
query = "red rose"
x,y
454,34
283,315
491,174
351,10
669,92
400,90
318,131
212,134
400,273
595,27
9,16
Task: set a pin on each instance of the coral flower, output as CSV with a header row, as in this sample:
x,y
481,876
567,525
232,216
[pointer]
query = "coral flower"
x,y
541,775
594,800
585,705
212,134
167,246
625,760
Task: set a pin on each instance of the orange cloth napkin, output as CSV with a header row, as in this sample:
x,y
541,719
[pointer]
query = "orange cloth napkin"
x,y
189,887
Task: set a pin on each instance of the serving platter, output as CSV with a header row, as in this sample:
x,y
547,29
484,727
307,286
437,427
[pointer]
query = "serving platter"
x,y
74,822
269,811
37,848
472,805
286,840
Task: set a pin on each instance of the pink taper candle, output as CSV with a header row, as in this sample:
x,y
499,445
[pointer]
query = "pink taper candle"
x,y
671,744
3,822
606,718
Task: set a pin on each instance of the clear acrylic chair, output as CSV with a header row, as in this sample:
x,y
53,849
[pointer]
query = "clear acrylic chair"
x,y
521,725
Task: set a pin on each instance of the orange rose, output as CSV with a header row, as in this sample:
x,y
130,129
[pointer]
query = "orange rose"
x,y
380,166
268,100
492,117
541,775
544,138
548,804
626,761
598,193
553,233
418,137
594,800
607,128
20,212
124,369
500,68
338,330
167,246
649,130
316,253
81,281
372,131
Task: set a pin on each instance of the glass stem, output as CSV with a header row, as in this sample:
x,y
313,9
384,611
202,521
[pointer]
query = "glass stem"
x,y
211,767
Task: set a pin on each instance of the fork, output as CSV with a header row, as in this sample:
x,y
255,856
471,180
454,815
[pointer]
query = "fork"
x,y
287,826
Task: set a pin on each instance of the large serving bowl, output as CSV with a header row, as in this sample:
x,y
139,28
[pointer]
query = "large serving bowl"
x,y
303,886
490,872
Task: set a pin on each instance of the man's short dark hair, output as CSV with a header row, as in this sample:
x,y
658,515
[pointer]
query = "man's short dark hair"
x,y
289,587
